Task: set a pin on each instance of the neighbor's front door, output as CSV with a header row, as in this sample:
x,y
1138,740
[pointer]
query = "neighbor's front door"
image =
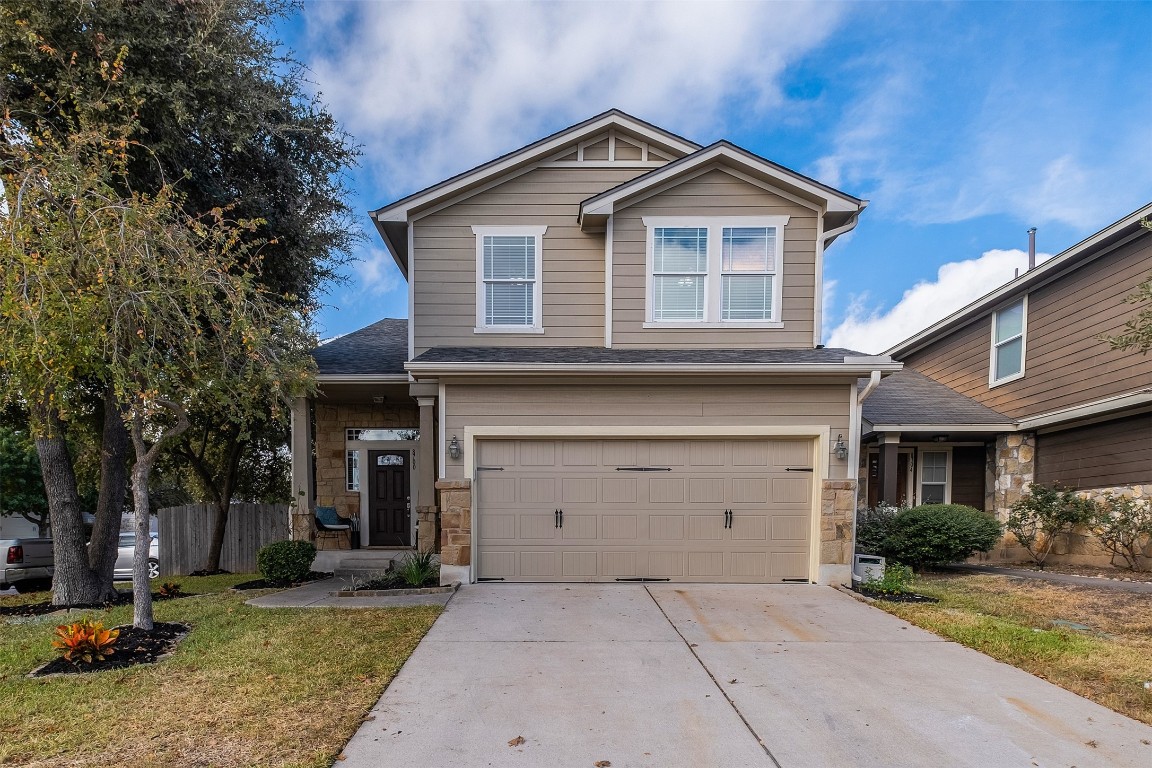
x,y
389,498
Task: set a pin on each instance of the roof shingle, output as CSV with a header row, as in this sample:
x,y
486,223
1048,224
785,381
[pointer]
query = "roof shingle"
x,y
910,397
379,348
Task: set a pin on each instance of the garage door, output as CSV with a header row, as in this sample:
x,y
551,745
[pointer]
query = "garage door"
x,y
606,510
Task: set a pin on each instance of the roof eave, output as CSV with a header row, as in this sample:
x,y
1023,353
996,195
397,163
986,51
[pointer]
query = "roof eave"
x,y
648,369
1050,269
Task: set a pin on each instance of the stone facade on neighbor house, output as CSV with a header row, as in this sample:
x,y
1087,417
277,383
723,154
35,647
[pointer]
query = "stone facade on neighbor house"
x,y
1027,372
837,520
455,522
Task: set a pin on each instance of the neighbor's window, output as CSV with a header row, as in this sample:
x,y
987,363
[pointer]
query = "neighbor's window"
x,y
1008,343
508,287
720,270
933,477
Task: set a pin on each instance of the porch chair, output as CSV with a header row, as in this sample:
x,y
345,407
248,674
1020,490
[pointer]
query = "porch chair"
x,y
329,525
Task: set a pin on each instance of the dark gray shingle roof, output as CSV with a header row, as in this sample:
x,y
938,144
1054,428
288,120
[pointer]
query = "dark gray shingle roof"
x,y
378,348
615,356
910,397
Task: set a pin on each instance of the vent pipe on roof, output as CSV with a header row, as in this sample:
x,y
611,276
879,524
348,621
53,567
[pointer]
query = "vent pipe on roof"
x,y
1032,248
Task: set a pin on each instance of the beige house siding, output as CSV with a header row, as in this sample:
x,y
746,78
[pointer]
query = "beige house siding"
x,y
715,193
790,402
444,312
1066,363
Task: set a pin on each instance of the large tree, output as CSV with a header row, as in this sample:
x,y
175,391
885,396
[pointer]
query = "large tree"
x,y
21,488
104,284
215,102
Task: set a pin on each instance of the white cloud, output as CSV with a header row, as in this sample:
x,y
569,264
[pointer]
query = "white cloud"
x,y
375,272
957,284
432,88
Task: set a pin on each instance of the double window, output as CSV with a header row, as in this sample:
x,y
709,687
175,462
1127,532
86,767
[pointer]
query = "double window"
x,y
723,270
508,279
1007,358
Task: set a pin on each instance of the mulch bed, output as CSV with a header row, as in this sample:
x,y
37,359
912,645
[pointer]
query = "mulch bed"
x,y
41,608
133,646
267,584
907,597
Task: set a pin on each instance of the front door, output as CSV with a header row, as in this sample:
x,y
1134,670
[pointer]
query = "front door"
x,y
389,498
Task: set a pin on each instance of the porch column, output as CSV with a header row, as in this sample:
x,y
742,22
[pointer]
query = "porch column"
x,y
427,511
300,510
889,456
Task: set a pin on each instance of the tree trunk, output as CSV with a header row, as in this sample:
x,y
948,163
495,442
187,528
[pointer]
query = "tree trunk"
x,y
115,445
223,499
73,582
141,586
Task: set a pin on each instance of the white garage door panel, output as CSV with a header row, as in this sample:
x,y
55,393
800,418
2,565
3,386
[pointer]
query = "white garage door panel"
x,y
618,523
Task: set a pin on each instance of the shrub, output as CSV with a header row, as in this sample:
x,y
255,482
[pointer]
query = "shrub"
x,y
934,534
85,641
170,589
417,567
1121,523
872,525
286,561
1046,513
897,580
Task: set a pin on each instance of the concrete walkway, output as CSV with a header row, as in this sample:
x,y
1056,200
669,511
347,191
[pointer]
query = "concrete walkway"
x,y
1119,585
718,675
318,594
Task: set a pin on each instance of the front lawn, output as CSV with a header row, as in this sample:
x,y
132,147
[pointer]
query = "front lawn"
x,y
247,687
1095,642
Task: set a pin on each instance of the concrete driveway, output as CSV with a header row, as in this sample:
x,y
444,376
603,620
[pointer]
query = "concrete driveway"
x,y
728,675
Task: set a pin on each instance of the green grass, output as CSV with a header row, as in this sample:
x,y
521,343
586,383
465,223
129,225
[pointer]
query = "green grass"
x,y
247,687
1012,620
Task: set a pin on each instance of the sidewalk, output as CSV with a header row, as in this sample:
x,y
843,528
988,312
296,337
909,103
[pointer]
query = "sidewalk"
x,y
318,594
1143,587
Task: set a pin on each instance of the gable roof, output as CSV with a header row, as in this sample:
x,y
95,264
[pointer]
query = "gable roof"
x,y
909,398
376,350
842,208
392,220
1063,263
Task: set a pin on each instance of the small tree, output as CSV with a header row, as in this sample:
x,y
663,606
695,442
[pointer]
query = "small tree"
x,y
1044,514
1121,524
102,284
937,534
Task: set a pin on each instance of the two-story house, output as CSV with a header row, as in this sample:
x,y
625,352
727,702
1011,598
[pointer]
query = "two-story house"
x,y
1020,387
611,371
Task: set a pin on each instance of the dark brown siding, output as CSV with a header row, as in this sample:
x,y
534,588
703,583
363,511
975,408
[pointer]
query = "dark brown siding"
x,y
1066,363
968,476
1097,456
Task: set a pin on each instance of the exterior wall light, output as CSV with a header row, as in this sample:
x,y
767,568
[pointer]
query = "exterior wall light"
x,y
454,448
840,449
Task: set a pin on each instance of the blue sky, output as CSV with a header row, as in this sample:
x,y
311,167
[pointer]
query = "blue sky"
x,y
963,123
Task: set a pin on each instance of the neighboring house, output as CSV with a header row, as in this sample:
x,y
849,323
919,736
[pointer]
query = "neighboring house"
x,y
1019,387
612,371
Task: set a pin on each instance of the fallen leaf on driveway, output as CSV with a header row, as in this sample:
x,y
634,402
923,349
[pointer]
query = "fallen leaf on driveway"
x,y
517,741
602,764
733,681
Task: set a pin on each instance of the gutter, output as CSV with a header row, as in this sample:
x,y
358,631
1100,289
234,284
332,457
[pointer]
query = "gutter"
x,y
641,369
854,430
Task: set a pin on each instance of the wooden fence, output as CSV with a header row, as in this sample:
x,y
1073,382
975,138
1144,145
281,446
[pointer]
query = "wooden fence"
x,y
185,533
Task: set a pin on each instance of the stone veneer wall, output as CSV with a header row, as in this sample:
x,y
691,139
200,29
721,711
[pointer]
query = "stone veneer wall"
x,y
455,522
837,512
1014,471
331,423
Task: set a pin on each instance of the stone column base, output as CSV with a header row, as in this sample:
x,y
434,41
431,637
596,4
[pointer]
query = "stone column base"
x,y
455,530
837,520
301,527
428,529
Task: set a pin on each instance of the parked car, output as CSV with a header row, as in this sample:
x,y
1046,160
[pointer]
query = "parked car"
x,y
26,564
124,556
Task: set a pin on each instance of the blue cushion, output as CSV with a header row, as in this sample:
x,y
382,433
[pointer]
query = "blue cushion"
x,y
328,516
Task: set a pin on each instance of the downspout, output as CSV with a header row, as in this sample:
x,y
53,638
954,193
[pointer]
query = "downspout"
x,y
854,449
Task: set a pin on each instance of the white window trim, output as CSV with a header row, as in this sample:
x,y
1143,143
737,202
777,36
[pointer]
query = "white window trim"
x,y
947,450
712,280
537,294
994,382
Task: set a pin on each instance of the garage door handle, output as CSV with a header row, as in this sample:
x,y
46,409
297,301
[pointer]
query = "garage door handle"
x,y
727,518
561,517
555,518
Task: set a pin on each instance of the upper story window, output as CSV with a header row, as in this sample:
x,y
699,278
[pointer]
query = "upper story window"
x,y
508,288
1007,358
714,271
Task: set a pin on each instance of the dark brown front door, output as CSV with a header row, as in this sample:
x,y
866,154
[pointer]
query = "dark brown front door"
x,y
875,482
389,498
